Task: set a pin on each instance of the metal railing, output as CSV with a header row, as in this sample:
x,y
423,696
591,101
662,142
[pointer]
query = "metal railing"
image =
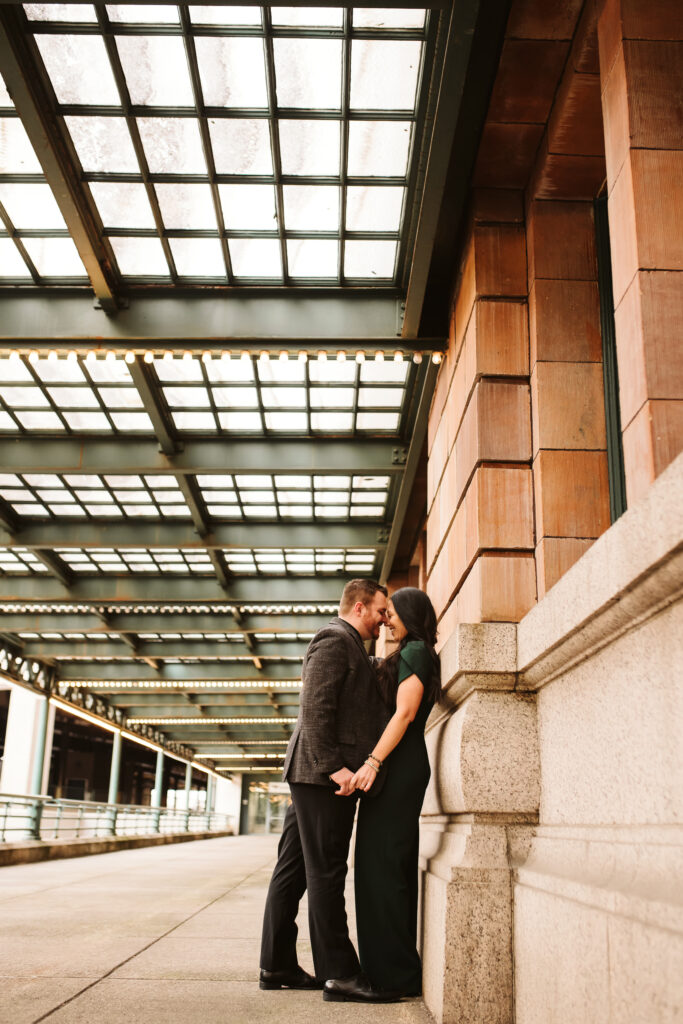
x,y
45,818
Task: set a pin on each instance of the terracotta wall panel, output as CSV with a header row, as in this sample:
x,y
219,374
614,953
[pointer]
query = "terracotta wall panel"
x,y
571,494
554,557
527,77
652,440
568,406
561,241
564,321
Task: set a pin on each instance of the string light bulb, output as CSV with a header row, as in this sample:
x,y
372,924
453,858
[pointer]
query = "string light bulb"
x,y
245,357
168,356
398,356
206,357
72,357
110,357
379,356
130,357
360,357
187,356
436,358
322,356
91,357
52,356
417,357
303,356
341,356
33,357
284,356
148,357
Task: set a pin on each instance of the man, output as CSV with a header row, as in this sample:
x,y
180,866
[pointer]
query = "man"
x,y
341,717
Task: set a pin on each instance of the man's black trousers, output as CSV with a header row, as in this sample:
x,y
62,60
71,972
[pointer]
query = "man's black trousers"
x,y
312,855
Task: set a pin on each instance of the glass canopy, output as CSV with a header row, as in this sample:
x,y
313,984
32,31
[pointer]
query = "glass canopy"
x,y
231,145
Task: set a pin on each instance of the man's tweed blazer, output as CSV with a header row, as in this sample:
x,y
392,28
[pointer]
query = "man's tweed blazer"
x,y
342,714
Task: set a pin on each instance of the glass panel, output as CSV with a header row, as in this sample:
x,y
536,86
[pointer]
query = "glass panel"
x,y
217,480
74,398
373,17
55,257
286,421
40,420
298,511
332,370
293,481
172,145
87,421
280,371
233,71
309,147
385,370
16,152
187,398
308,72
247,421
294,497
332,421
103,144
248,207
60,12
79,69
6,422
186,206
132,421
240,398
331,398
156,70
311,207
31,206
255,257
122,204
106,371
283,398
384,74
13,369
224,15
230,369
384,398
371,208
308,257
11,263
178,369
313,17
121,398
370,259
257,497
194,420
378,147
140,257
377,421
198,257
5,100
241,146
143,13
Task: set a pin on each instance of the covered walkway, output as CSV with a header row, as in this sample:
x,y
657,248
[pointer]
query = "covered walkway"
x,y
143,936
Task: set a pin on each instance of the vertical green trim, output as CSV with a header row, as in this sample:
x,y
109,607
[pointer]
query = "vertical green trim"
x,y
615,452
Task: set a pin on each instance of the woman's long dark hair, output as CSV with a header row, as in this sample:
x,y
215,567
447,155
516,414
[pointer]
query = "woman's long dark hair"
x,y
417,614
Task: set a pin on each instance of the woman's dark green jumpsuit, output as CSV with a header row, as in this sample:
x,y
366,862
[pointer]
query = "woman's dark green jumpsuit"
x,y
386,858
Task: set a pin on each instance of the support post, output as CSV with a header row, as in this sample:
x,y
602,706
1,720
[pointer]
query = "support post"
x,y
158,783
188,789
114,774
39,755
209,796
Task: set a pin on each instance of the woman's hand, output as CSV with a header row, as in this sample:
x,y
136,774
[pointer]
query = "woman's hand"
x,y
364,778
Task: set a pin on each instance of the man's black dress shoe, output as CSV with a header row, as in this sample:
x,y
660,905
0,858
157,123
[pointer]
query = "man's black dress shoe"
x,y
356,989
298,978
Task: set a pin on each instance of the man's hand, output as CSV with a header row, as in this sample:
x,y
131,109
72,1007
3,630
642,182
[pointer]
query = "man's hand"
x,y
342,778
364,778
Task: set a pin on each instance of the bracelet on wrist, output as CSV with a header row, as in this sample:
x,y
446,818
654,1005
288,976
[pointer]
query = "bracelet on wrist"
x,y
374,767
376,761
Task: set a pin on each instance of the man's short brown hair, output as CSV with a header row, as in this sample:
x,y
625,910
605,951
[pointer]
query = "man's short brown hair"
x,y
359,590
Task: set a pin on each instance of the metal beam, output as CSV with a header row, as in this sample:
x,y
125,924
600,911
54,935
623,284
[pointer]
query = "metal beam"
x,y
160,650
233,320
211,455
76,674
34,102
57,567
414,455
216,709
164,534
152,406
458,45
111,589
157,622
146,699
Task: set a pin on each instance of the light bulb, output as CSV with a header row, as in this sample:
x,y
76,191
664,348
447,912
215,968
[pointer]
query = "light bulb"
x,y
148,357
360,357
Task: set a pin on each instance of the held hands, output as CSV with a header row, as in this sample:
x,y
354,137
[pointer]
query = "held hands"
x,y
343,778
364,778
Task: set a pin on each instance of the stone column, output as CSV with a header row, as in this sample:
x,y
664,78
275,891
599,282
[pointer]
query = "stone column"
x,y
477,817
641,74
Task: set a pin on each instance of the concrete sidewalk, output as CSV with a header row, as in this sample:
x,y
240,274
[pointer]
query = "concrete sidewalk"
x,y
167,934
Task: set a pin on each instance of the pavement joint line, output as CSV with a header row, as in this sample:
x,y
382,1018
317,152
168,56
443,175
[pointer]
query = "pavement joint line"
x,y
144,949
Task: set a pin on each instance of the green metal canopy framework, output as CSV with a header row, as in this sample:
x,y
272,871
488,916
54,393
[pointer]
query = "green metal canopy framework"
x,y
193,464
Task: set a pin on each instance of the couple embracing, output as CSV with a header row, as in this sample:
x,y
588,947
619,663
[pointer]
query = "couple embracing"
x,y
360,733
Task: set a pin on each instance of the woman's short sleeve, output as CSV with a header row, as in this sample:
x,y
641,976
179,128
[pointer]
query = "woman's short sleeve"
x,y
415,659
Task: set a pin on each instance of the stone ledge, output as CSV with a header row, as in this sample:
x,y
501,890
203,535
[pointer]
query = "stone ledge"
x,y
480,655
59,849
630,573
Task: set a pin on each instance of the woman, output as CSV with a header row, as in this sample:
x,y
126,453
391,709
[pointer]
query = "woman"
x,y
387,834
